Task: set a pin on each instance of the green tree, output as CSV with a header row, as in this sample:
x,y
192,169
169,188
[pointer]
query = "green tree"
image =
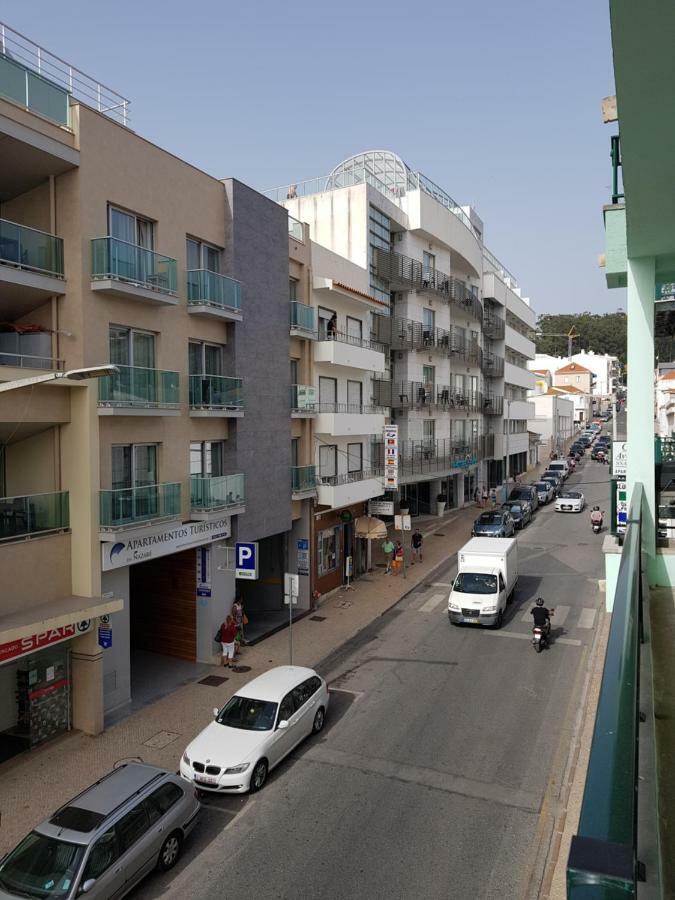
x,y
604,333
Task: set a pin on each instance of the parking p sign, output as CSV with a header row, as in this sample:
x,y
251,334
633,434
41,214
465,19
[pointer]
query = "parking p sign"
x,y
246,560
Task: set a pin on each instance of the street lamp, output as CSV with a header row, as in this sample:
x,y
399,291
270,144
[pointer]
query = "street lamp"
x,y
72,374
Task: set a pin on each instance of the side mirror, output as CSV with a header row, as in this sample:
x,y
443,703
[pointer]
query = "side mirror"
x,y
283,724
215,712
88,885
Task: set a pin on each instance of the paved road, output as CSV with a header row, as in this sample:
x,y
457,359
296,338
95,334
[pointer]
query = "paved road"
x,y
429,777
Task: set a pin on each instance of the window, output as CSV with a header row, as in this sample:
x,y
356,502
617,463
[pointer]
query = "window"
x,y
328,550
127,226
131,827
294,371
327,393
429,376
295,451
37,861
326,317
203,256
379,237
103,854
429,262
567,380
578,377
129,347
429,432
134,465
301,694
293,289
205,359
354,396
207,458
286,708
164,797
248,715
327,460
354,457
354,328
429,320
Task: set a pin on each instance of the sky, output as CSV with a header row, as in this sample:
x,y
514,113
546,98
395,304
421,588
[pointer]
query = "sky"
x,y
498,102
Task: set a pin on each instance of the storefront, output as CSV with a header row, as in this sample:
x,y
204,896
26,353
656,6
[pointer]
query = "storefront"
x,y
337,551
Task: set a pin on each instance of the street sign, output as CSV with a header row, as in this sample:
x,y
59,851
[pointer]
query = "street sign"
x,y
619,458
349,567
303,556
380,507
291,588
391,457
403,523
246,560
105,636
621,506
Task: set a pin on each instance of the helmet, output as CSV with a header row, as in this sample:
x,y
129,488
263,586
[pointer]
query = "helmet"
x,y
540,601
596,509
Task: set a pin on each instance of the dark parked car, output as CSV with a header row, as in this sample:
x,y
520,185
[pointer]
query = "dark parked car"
x,y
498,523
521,512
555,479
525,492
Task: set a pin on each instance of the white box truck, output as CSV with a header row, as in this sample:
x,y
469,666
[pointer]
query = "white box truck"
x,y
487,573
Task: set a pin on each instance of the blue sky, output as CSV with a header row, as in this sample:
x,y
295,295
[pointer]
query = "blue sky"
x,y
498,102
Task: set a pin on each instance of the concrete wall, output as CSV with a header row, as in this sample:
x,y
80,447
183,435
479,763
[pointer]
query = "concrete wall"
x,y
31,465
116,660
34,572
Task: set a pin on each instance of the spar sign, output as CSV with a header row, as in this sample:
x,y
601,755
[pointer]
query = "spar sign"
x,y
25,646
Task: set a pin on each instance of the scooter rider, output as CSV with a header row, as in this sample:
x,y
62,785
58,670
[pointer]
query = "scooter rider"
x,y
542,615
596,516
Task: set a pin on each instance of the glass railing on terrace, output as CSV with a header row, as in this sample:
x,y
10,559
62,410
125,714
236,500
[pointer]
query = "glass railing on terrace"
x,y
32,91
213,289
303,397
33,514
216,492
303,478
295,229
216,391
122,261
28,248
134,386
126,506
302,317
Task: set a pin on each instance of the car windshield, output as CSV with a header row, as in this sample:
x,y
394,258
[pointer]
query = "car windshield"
x,y
490,519
250,715
542,485
475,583
514,508
41,866
570,495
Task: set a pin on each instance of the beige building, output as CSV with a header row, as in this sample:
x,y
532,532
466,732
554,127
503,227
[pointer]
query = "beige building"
x,y
574,375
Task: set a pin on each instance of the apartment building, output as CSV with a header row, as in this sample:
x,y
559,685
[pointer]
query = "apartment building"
x,y
121,497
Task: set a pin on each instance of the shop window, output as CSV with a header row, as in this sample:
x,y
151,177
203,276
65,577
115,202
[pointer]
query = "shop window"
x,y
328,551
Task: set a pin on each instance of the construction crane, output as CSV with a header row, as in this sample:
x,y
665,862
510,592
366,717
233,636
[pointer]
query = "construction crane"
x,y
571,336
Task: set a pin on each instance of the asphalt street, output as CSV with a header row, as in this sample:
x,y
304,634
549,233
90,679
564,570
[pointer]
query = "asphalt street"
x,y
429,777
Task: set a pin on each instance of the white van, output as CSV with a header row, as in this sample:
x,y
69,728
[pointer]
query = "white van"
x,y
559,465
487,572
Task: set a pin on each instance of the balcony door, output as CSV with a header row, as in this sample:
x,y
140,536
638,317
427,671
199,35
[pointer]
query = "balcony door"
x,y
134,235
354,330
327,461
135,351
327,394
203,256
354,396
134,481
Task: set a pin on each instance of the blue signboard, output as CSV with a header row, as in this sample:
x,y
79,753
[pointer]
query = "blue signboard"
x,y
246,560
105,636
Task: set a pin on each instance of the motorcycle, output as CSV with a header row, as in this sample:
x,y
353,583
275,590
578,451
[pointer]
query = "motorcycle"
x,y
540,634
597,526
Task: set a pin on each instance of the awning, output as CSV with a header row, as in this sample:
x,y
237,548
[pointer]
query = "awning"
x,y
370,527
54,615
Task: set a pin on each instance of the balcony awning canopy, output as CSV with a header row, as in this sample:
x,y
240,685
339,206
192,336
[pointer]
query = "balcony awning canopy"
x,y
54,615
370,527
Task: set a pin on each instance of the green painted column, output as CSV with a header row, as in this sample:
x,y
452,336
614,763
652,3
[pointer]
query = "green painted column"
x,y
640,424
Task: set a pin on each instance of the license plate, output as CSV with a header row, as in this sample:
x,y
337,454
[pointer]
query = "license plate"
x,y
472,621
206,779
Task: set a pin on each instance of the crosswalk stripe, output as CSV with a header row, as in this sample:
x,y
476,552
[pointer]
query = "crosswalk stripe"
x,y
587,618
432,602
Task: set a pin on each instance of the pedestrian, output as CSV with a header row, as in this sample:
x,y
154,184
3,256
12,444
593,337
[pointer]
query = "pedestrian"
x,y
238,616
388,550
398,557
476,497
485,496
493,497
228,632
331,328
416,546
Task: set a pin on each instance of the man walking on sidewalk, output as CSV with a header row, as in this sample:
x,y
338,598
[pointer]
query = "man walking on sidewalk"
x,y
388,550
416,546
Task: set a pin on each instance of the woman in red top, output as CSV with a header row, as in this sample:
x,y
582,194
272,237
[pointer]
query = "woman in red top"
x,y
228,632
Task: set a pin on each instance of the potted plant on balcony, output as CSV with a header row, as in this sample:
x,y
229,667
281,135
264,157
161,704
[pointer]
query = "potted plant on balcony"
x,y
441,501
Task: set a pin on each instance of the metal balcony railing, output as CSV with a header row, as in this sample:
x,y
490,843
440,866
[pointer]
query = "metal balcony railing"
x,y
406,334
354,340
133,264
418,395
445,454
216,492
303,478
216,392
128,506
356,409
212,289
493,405
28,248
24,361
492,366
140,388
351,477
494,326
21,517
302,317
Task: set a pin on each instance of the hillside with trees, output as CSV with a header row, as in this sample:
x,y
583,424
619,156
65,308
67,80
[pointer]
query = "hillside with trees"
x,y
604,333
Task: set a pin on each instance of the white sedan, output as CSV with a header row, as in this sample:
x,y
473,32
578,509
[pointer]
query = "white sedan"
x,y
260,725
570,501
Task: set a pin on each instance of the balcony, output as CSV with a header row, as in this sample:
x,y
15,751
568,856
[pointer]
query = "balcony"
x,y
127,270
303,482
31,267
417,395
136,391
350,351
295,229
216,396
437,457
348,418
336,491
211,294
216,494
126,507
492,366
519,376
303,320
303,401
494,326
33,515
493,405
35,93
407,334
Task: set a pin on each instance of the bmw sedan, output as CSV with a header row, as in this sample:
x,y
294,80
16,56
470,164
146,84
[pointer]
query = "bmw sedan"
x,y
261,724
570,501
498,523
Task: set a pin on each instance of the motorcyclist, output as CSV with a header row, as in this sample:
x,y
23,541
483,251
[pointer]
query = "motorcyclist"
x,y
542,615
596,516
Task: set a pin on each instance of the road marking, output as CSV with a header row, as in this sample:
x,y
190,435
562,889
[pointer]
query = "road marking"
x,y
528,637
447,584
432,602
587,618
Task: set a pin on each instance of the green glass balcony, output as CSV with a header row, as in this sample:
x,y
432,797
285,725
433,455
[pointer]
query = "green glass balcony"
x,y
138,388
303,319
216,492
303,398
214,392
117,260
128,506
303,479
210,289
33,514
28,248
33,92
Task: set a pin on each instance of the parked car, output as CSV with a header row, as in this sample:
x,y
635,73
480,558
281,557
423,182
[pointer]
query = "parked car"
x,y
559,465
520,510
261,724
570,501
496,523
555,479
545,491
525,492
105,840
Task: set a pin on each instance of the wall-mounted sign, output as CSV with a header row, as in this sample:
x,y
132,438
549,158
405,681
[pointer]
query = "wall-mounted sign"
x,y
25,646
621,506
619,458
380,507
125,551
303,557
391,457
246,560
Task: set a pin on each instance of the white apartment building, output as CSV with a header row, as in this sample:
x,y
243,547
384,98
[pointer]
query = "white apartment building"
x,y
553,420
605,368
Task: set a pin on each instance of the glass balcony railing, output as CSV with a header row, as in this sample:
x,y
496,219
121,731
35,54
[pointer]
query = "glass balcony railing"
x,y
127,506
216,392
216,492
32,91
117,259
303,397
303,317
28,248
295,229
140,388
33,514
303,478
212,289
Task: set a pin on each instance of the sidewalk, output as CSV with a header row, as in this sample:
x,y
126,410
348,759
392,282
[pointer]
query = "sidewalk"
x,y
34,784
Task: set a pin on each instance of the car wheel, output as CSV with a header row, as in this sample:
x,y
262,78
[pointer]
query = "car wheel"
x,y
500,620
168,855
319,719
259,775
